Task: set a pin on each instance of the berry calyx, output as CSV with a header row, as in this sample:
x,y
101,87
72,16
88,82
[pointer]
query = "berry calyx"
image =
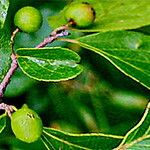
x,y
26,125
28,19
80,14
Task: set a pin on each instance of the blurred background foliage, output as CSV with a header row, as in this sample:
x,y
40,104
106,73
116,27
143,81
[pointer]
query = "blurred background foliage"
x,y
101,99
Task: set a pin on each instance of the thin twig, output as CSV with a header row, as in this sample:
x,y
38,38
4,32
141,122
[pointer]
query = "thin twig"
x,y
8,108
9,74
59,32
12,38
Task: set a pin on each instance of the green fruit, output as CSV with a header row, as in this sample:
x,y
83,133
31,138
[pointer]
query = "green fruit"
x,y
26,124
28,19
81,14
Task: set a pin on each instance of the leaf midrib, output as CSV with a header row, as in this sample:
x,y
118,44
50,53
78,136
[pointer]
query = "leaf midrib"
x,y
65,142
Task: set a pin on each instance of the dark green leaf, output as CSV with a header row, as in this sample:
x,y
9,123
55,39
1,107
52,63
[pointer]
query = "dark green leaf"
x,y
14,143
2,122
54,139
113,15
138,136
128,51
49,64
4,4
5,52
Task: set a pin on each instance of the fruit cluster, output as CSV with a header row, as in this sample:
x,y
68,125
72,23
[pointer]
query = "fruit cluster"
x,y
29,19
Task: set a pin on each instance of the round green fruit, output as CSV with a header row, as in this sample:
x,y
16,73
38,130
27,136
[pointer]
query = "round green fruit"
x,y
28,19
26,125
81,14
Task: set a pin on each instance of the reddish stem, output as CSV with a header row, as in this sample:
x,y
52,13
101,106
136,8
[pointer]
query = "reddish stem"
x,y
6,80
59,32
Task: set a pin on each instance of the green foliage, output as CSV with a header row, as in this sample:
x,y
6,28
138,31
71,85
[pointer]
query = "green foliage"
x,y
5,52
58,140
4,4
59,19
97,109
49,64
139,135
125,50
113,15
2,122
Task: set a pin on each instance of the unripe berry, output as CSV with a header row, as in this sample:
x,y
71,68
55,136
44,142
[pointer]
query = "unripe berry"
x,y
81,14
28,19
26,124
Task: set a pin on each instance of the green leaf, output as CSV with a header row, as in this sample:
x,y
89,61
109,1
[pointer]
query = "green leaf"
x,y
112,15
138,136
143,145
16,144
4,4
5,52
54,139
128,51
49,64
2,122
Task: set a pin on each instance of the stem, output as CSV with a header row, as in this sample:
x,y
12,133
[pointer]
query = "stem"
x,y
59,32
12,39
8,108
69,40
6,80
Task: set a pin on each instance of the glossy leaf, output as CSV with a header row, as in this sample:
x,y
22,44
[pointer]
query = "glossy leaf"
x,y
128,51
4,4
54,139
2,122
139,136
49,64
5,52
112,15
